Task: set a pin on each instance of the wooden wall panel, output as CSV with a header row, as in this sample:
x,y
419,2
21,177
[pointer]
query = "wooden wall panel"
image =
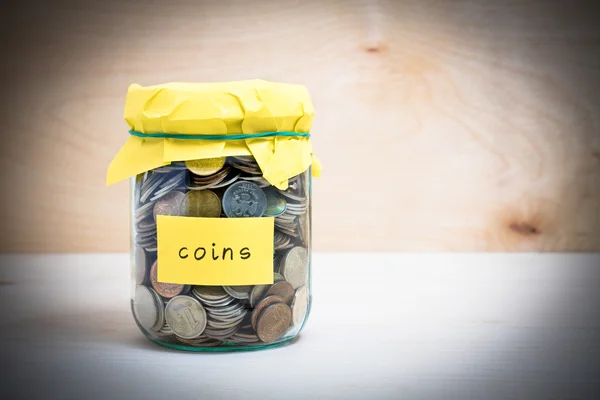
x,y
464,125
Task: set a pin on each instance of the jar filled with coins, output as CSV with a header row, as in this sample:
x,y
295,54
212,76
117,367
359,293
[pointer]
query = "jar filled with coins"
x,y
220,212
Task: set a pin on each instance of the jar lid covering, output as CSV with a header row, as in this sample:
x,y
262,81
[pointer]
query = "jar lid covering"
x,y
178,115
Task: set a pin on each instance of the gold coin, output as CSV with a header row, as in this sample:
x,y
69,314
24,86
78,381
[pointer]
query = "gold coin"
x,y
201,203
207,166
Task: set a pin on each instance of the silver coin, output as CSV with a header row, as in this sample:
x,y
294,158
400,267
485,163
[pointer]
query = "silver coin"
x,y
244,199
299,306
202,341
150,180
217,324
210,292
141,265
220,333
150,190
277,277
161,311
257,293
186,316
177,178
303,228
147,308
146,225
294,267
229,313
239,292
226,322
228,301
144,210
242,340
163,192
287,193
228,310
165,331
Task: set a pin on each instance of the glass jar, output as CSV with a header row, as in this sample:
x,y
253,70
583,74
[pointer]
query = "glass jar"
x,y
221,317
220,212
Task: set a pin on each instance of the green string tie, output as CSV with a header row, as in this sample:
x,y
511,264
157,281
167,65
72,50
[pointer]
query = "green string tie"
x,y
218,137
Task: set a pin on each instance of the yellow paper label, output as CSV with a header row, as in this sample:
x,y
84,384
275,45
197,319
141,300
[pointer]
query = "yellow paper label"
x,y
215,251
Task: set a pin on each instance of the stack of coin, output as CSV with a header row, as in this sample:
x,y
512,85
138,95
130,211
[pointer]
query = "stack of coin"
x,y
251,170
209,316
224,312
209,174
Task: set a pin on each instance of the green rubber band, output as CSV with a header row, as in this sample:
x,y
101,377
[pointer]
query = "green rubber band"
x,y
218,137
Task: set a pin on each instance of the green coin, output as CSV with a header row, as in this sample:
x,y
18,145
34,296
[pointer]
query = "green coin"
x,y
276,203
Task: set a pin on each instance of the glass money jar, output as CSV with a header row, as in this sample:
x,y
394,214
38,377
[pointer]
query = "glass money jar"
x,y
220,212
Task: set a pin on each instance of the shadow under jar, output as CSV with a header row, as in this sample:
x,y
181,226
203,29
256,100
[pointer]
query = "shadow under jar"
x,y
221,317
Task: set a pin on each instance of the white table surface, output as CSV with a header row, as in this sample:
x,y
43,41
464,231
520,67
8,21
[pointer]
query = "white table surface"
x,y
438,326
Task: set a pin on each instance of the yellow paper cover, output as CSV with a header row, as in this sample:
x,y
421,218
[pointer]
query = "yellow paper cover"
x,y
229,108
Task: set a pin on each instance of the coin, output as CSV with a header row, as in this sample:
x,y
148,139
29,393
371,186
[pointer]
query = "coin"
x,y
294,267
210,292
300,306
273,322
202,203
147,308
232,187
208,179
257,293
186,316
166,290
239,292
169,204
276,204
226,323
248,166
282,289
165,331
201,341
244,199
244,338
151,188
267,301
207,166
220,334
140,266
224,311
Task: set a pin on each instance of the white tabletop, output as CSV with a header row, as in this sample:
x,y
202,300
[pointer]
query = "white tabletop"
x,y
439,326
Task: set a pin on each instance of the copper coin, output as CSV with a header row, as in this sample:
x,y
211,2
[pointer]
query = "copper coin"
x,y
166,290
207,166
273,322
201,203
267,301
283,289
169,204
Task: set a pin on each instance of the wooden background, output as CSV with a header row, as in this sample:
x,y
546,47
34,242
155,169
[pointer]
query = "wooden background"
x,y
442,125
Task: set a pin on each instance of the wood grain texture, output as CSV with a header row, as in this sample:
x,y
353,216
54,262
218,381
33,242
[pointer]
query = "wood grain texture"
x,y
461,126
